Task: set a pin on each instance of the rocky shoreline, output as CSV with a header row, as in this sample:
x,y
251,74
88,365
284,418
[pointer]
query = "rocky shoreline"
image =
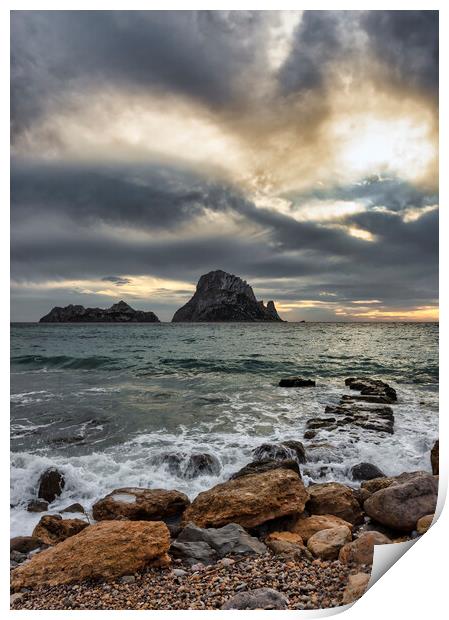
x,y
261,540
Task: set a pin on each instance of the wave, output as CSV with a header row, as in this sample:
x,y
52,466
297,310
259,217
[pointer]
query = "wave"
x,y
43,362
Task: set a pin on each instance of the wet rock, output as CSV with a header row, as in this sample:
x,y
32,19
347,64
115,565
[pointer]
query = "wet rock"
x,y
17,557
24,544
333,498
308,526
138,504
296,382
326,544
356,587
435,458
231,538
259,467
37,505
261,598
372,387
51,484
105,550
400,505
53,529
366,471
361,550
315,423
424,523
190,466
74,508
309,434
286,450
249,500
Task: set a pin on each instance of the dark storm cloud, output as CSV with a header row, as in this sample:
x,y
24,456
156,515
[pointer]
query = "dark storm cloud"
x,y
195,53
407,43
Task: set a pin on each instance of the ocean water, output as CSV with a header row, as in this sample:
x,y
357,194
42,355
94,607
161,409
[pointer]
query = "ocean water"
x,y
103,403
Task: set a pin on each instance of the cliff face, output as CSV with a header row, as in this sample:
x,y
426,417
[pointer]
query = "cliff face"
x,y
118,313
220,296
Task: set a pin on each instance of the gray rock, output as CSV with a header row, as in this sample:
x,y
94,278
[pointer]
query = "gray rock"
x,y
262,598
231,538
120,312
179,572
194,552
51,484
128,579
220,296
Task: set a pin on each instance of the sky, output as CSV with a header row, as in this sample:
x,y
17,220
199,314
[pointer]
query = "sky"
x,y
295,149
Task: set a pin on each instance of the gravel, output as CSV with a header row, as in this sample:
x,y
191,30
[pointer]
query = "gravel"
x,y
307,585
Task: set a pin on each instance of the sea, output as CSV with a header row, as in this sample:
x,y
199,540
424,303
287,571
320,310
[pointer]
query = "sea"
x,y
105,402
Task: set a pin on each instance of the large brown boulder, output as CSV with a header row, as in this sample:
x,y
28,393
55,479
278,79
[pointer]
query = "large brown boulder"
x,y
311,525
53,529
327,543
435,458
333,498
361,550
139,504
249,500
105,550
399,506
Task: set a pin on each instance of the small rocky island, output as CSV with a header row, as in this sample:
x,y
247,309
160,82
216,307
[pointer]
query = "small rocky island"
x,y
118,313
220,296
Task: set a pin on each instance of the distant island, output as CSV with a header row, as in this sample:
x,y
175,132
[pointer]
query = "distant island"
x,y
118,313
221,296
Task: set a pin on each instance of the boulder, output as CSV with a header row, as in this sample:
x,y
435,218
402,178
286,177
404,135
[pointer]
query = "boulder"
x,y
249,500
366,471
296,382
259,467
286,450
333,498
24,544
400,505
424,523
105,550
51,484
287,544
53,529
37,505
261,598
356,587
307,527
139,504
361,550
326,544
435,458
221,296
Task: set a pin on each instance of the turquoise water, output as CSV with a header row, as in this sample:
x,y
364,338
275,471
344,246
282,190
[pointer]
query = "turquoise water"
x,y
102,402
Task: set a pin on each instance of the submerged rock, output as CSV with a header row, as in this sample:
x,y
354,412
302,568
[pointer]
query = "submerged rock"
x,y
400,505
296,382
371,387
220,296
261,598
249,500
105,550
120,312
259,467
189,466
51,484
53,529
366,471
139,504
290,449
